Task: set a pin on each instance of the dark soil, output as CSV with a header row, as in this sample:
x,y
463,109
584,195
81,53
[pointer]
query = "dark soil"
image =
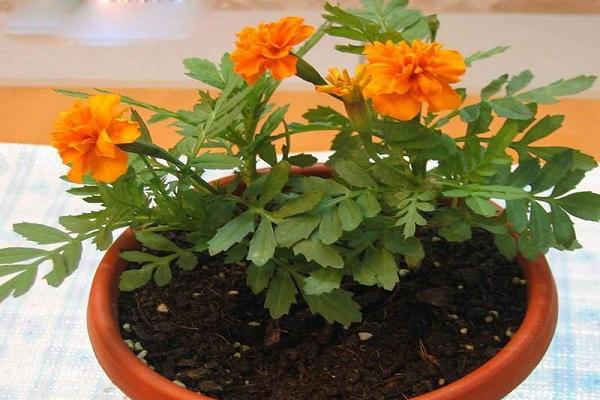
x,y
209,332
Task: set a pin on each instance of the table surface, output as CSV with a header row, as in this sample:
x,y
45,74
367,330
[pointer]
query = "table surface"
x,y
44,349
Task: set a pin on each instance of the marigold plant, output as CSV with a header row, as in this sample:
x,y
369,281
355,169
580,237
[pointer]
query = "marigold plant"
x,y
396,169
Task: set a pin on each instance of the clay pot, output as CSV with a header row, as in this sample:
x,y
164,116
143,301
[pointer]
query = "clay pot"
x,y
492,381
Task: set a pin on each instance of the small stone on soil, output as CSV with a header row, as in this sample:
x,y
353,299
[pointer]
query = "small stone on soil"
x,y
179,383
142,354
489,319
469,347
162,308
233,292
441,381
127,327
464,331
364,336
254,323
437,264
509,332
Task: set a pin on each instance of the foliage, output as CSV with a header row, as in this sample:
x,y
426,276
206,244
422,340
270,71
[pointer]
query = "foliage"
x,y
306,238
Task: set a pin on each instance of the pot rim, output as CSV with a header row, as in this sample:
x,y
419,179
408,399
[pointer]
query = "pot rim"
x,y
493,380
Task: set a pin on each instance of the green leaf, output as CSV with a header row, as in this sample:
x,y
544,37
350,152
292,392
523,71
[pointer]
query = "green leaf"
x,y
302,160
563,228
232,232
322,254
481,206
350,214
59,271
510,107
562,87
516,213
552,172
506,244
336,306
323,280
330,229
395,242
458,231
11,255
584,205
327,186
273,121
77,223
276,181
162,274
494,87
568,182
542,128
292,230
382,263
262,245
215,161
525,173
518,82
267,152
281,294
470,113
481,55
353,174
501,140
149,149
138,256
187,261
145,133
19,284
72,254
41,234
135,278
204,71
303,203
258,278
540,226
482,123
156,241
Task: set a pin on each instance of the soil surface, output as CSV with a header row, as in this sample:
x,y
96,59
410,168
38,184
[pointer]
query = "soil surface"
x,y
207,331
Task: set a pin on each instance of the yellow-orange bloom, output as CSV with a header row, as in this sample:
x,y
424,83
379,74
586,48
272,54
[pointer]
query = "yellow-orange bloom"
x,y
86,137
404,76
342,85
268,47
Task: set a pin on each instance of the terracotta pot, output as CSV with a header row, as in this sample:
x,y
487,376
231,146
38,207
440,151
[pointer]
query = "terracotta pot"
x,y
492,381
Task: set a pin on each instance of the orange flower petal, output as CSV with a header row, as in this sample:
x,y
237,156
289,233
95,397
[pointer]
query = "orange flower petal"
x,y
446,99
105,146
86,138
283,68
108,170
122,131
268,47
399,106
401,76
102,106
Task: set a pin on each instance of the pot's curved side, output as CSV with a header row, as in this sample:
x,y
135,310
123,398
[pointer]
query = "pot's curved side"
x,y
123,368
492,381
507,369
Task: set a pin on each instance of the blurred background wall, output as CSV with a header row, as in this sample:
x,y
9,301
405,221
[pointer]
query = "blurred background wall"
x,y
137,46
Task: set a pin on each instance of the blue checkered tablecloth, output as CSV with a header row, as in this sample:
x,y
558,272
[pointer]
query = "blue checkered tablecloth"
x,y
44,349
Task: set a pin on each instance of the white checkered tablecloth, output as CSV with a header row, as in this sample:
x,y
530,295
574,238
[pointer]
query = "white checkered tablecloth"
x,y
44,349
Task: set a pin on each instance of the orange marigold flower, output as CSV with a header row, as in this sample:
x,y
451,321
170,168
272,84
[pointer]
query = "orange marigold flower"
x,y
342,85
86,137
268,47
404,76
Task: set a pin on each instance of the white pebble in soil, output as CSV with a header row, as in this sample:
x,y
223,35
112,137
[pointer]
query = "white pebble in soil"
x,y
162,308
364,336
